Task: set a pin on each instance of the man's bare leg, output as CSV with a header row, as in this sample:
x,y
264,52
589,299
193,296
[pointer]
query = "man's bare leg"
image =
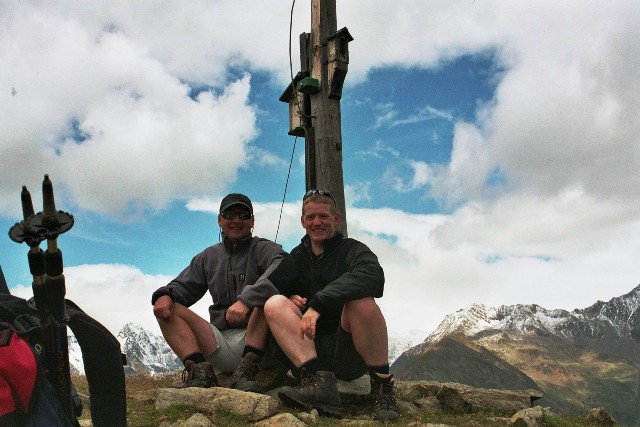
x,y
187,333
283,319
245,376
363,319
257,330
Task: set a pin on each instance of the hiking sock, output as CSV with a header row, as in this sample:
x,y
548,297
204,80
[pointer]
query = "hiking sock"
x,y
311,365
381,371
196,357
256,351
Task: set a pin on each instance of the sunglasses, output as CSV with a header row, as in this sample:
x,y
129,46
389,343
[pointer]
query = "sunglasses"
x,y
229,215
324,193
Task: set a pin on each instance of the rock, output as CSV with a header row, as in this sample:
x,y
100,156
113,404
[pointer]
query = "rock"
x,y
197,420
413,390
530,417
145,396
505,402
358,423
464,399
601,417
252,405
452,400
419,424
429,404
281,420
411,396
308,417
407,408
358,387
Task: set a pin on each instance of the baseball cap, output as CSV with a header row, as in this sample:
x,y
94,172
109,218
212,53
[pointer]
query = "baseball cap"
x,y
235,199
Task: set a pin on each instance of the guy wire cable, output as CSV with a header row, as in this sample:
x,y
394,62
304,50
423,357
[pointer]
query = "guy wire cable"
x,y
285,188
286,185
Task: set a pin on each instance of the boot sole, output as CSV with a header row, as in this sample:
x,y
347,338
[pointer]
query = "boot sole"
x,y
253,388
324,409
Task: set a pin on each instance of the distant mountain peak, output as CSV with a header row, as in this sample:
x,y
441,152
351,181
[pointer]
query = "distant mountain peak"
x,y
585,356
617,318
145,351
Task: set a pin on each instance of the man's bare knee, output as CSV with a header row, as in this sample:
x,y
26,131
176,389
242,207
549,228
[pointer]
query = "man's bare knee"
x,y
364,308
275,305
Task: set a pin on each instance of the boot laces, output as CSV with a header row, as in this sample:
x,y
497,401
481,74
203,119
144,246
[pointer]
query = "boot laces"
x,y
384,397
248,369
187,374
309,380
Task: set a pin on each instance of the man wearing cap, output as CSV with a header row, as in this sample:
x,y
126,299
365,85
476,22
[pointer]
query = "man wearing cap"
x,y
240,273
328,324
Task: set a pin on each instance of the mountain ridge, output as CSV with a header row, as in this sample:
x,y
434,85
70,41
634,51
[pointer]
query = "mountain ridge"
x,y
619,317
588,356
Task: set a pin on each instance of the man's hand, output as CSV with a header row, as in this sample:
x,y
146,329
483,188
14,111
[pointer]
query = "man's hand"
x,y
237,312
299,302
308,324
163,308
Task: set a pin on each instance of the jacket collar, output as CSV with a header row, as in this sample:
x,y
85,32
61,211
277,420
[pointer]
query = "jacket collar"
x,y
246,241
328,244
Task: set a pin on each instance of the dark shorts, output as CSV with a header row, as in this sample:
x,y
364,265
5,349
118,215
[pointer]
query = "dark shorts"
x,y
336,353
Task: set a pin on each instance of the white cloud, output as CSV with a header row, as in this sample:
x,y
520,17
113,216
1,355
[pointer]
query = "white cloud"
x,y
358,193
536,250
522,250
561,132
564,113
378,150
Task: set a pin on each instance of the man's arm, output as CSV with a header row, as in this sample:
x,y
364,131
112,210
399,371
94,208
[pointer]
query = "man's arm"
x,y
363,277
188,287
278,271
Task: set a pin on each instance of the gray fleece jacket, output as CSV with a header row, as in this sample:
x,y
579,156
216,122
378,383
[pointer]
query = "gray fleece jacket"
x,y
244,274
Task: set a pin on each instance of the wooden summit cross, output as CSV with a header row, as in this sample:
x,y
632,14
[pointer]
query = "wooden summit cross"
x,y
314,101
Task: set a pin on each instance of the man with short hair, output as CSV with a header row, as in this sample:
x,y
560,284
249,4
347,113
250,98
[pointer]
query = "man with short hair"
x,y
240,274
328,324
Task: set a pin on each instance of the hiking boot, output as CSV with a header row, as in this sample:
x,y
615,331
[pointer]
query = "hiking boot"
x,y
385,408
198,375
319,391
244,378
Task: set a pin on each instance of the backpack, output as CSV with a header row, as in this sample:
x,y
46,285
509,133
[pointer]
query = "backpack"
x,y
27,388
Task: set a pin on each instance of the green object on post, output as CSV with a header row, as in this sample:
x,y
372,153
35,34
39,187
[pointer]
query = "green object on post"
x,y
308,85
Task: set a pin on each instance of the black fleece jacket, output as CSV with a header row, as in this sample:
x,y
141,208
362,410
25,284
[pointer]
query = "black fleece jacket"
x,y
347,270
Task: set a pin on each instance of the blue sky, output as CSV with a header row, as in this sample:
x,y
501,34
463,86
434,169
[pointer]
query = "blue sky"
x,y
490,149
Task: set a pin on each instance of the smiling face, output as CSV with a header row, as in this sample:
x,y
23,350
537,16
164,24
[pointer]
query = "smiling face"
x,y
320,219
236,229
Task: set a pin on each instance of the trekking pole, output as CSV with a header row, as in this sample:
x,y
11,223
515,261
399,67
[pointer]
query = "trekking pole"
x,y
55,223
22,232
48,283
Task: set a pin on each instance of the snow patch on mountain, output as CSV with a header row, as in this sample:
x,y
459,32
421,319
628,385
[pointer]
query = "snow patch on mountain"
x,y
145,352
620,317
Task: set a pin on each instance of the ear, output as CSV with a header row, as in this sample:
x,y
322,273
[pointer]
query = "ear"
x,y
338,218
219,220
302,220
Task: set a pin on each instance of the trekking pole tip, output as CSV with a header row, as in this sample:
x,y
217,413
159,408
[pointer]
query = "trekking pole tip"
x,y
27,204
49,212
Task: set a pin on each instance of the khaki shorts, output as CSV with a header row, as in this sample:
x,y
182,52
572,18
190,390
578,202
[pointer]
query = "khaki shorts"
x,y
229,347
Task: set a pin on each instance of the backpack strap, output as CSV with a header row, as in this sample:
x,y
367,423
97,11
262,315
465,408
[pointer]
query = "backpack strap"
x,y
103,368
4,288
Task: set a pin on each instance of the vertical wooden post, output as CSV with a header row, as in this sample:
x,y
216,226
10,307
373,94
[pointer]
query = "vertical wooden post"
x,y
314,102
325,111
